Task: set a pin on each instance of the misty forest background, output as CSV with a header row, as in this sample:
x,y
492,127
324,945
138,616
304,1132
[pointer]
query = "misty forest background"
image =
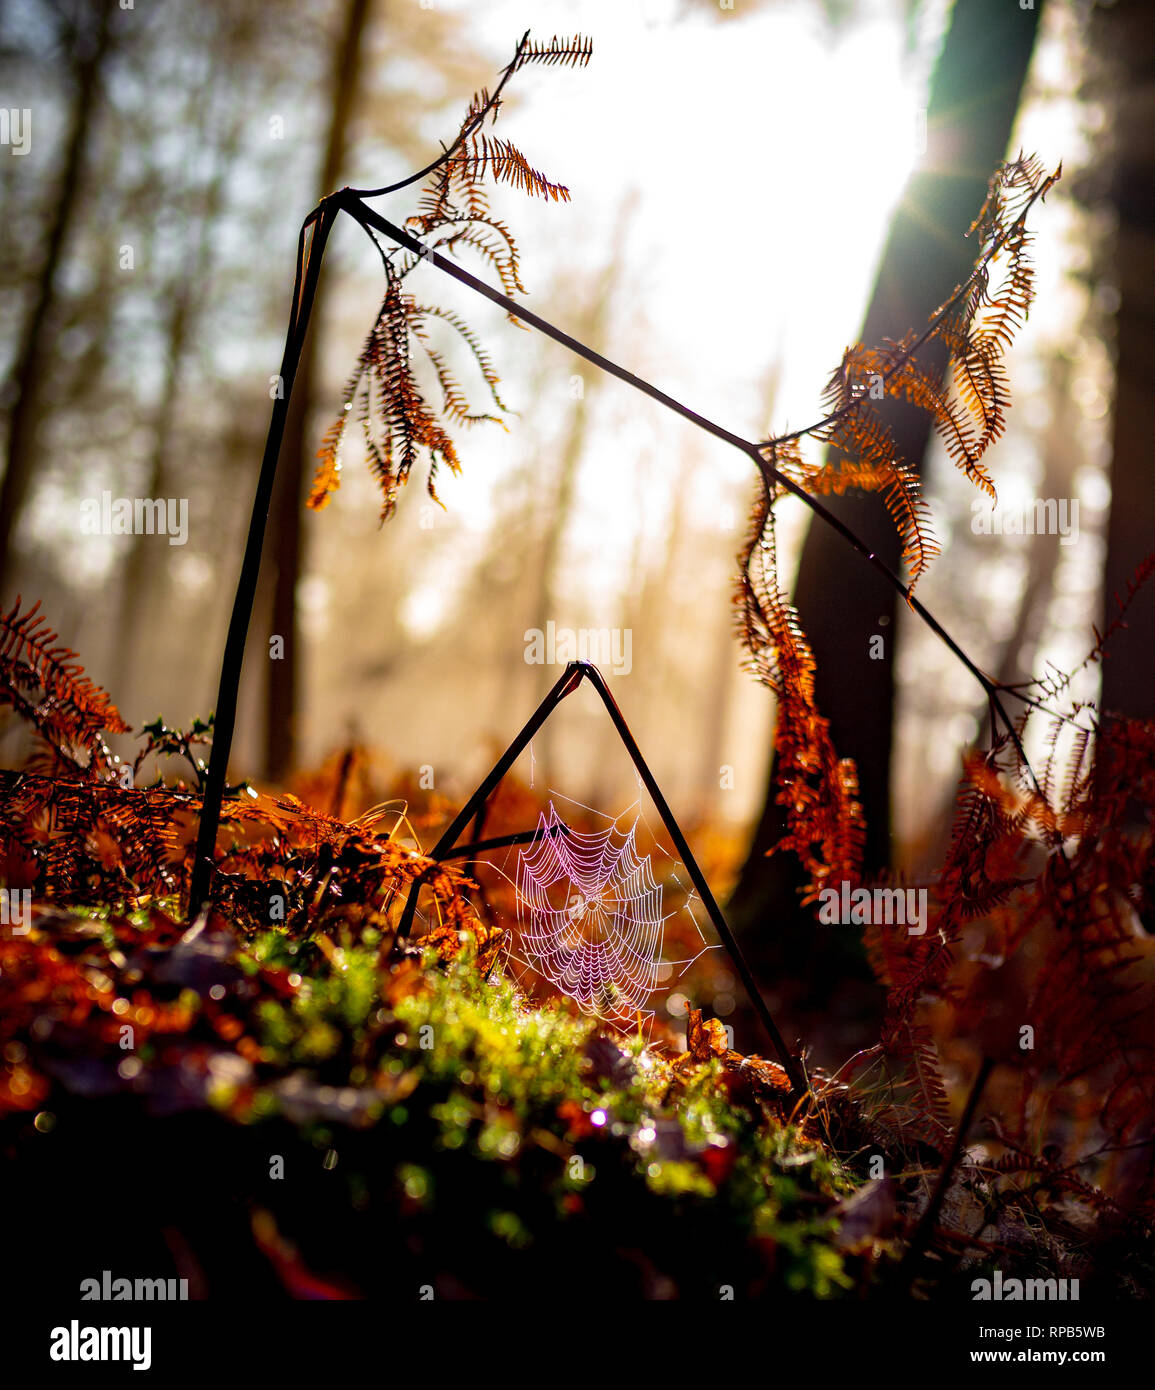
x,y
738,215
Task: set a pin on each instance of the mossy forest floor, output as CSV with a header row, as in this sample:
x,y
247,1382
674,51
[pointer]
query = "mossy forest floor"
x,y
320,1118
277,1117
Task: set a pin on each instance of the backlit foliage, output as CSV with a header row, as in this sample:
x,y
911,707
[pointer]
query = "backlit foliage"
x,y
45,684
1038,958
80,832
818,790
400,425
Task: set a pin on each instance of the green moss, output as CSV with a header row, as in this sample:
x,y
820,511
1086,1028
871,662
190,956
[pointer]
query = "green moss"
x,y
468,1073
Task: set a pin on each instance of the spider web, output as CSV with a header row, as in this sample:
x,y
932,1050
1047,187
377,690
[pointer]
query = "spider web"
x,y
592,915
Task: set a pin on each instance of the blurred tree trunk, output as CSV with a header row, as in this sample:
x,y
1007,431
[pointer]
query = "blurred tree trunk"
x,y
91,43
1125,33
284,547
143,578
974,97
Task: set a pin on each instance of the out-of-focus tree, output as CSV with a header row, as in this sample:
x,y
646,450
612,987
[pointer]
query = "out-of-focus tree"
x,y
82,34
152,257
389,70
284,540
139,352
973,101
1123,39
216,126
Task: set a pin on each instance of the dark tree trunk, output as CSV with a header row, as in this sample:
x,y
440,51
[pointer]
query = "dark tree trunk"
x,y
91,46
285,547
843,602
142,583
1125,36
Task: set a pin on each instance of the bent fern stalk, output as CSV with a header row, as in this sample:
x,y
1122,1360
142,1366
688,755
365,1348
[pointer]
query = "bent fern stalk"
x,y
401,428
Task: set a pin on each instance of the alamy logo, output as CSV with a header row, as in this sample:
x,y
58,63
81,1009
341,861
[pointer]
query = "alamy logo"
x,y
1011,1290
110,1290
16,128
1045,516
16,910
135,516
859,907
604,646
76,1343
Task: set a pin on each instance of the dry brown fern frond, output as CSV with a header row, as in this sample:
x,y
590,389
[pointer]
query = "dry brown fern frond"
x,y
86,841
400,425
864,457
329,872
575,52
976,325
1039,951
505,163
383,393
1056,683
78,842
817,790
43,682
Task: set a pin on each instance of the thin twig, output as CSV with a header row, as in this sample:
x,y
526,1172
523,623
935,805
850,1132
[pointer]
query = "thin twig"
x,y
310,252
926,1225
466,131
